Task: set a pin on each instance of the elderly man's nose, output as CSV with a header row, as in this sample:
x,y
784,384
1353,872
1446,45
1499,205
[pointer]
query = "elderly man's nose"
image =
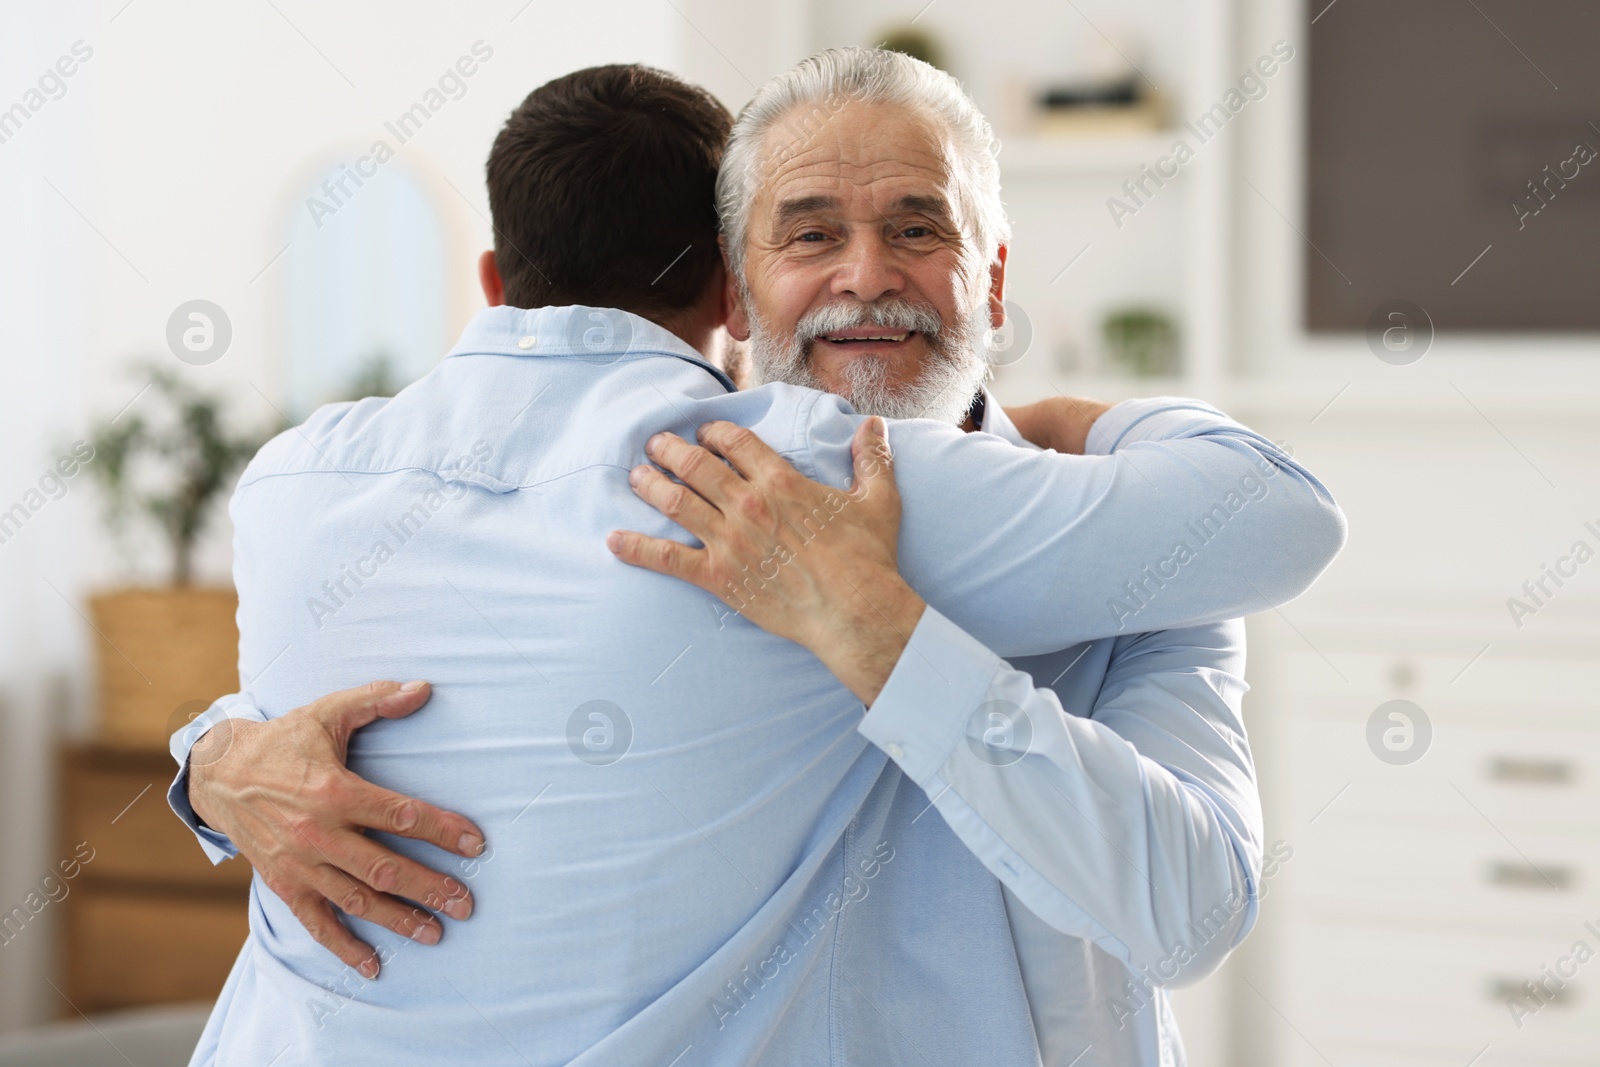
x,y
868,272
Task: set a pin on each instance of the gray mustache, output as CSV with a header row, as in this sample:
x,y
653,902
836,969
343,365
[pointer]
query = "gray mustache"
x,y
892,313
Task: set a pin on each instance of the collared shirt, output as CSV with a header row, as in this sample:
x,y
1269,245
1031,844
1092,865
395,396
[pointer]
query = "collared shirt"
x,y
700,851
1174,697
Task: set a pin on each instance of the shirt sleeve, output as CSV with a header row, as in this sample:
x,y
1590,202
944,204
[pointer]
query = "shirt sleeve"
x,y
1178,516
234,706
1137,827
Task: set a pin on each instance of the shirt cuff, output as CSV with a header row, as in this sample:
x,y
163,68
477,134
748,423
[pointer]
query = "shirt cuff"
x,y
216,846
1158,418
931,697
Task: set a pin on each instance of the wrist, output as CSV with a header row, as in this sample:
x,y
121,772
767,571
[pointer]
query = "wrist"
x,y
1058,423
204,756
1070,432
1030,424
870,635
197,794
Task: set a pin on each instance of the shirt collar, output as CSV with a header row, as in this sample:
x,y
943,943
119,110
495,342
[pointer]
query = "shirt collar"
x,y
593,335
997,422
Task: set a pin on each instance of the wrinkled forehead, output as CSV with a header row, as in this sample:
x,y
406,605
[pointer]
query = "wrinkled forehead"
x,y
867,154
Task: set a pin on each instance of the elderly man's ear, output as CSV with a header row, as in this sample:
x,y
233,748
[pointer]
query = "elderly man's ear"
x,y
738,317
997,289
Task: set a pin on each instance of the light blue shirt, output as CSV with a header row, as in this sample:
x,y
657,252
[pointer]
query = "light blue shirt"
x,y
700,850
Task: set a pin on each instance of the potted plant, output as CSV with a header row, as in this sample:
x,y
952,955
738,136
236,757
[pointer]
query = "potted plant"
x,y
164,648
1142,340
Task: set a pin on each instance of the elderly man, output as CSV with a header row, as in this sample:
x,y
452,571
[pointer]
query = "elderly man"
x,y
699,849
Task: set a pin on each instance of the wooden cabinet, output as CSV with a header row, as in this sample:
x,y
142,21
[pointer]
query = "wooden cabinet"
x,y
146,918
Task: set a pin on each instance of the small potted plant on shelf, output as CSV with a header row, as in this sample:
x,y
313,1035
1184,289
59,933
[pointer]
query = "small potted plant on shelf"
x,y
1142,341
164,647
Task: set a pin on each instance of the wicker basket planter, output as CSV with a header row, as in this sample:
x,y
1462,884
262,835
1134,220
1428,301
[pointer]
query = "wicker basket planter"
x,y
159,652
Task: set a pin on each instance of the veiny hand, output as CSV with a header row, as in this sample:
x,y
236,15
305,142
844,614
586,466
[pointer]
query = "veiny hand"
x,y
280,791
799,559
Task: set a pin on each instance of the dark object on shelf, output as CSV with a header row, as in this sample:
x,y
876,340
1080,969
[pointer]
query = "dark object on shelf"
x,y
1112,94
1098,108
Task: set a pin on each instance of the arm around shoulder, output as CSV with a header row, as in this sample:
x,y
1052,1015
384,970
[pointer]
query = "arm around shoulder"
x,y
1175,516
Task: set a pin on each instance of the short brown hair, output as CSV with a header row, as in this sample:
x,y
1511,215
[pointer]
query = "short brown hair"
x,y
602,188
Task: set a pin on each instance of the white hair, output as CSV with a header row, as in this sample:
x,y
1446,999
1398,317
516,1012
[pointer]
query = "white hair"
x,y
807,94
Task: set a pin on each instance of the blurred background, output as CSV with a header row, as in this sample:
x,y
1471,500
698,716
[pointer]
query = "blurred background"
x,y
1367,229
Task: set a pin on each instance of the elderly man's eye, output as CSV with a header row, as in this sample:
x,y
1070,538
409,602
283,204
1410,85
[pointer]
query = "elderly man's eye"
x,y
916,231
813,236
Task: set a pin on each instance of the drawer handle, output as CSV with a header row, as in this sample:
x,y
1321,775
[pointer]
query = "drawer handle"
x,y
1532,771
1529,876
1504,989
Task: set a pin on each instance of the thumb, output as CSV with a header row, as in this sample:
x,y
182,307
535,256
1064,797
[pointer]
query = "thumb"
x,y
348,710
872,461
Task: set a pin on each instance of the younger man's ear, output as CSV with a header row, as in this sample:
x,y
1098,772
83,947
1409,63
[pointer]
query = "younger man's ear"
x,y
494,290
733,309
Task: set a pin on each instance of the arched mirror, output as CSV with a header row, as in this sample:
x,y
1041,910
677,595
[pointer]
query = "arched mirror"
x,y
364,286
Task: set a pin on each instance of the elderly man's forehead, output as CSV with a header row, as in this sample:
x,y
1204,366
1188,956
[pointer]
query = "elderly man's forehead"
x,y
856,142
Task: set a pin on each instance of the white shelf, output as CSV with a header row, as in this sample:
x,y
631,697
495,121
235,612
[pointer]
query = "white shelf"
x,y
1031,156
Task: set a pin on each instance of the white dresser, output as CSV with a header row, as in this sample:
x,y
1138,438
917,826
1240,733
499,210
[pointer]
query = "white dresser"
x,y
1444,911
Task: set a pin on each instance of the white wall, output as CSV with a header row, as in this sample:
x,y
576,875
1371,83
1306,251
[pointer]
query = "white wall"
x,y
41,333
179,145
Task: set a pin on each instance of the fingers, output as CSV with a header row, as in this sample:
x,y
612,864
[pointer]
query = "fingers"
x,y
677,502
361,803
358,900
659,554
318,896
749,454
355,801
348,710
695,467
317,916
872,459
399,876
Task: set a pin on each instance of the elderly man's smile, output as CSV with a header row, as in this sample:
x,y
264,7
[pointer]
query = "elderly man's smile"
x,y
869,341
843,355
866,335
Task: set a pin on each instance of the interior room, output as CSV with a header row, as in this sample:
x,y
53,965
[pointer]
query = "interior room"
x,y
1367,231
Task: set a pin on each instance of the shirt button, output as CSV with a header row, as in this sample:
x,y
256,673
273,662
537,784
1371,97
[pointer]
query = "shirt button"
x,y
527,342
895,751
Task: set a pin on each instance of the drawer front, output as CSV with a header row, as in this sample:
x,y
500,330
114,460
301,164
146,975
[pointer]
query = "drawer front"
x,y
1540,692
1470,874
1446,991
125,949
1513,777
137,836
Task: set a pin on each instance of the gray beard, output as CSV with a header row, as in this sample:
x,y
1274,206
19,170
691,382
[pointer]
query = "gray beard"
x,y
949,379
